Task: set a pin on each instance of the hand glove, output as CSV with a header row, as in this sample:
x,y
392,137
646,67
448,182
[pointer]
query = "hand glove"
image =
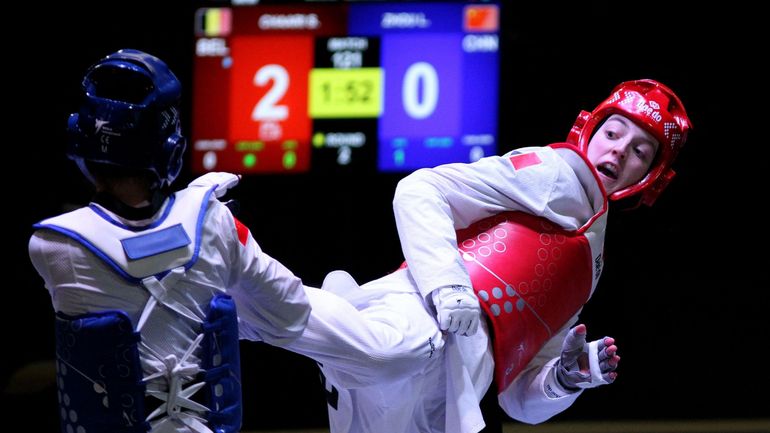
x,y
457,309
221,179
586,365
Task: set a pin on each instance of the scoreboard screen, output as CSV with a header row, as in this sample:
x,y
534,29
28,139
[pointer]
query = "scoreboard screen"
x,y
293,87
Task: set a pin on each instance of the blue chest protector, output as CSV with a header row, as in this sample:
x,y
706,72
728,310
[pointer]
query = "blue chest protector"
x,y
99,373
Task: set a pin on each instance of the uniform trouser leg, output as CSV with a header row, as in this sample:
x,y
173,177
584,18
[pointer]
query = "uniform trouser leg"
x,y
390,338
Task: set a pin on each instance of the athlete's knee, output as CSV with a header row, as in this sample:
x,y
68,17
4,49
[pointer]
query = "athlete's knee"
x,y
391,363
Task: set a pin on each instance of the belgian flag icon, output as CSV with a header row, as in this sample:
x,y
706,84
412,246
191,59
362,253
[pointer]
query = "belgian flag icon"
x,y
213,22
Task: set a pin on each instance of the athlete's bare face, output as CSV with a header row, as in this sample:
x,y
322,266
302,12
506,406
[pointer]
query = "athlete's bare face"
x,y
622,153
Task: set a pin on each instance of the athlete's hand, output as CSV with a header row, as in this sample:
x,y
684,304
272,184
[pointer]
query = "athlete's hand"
x,y
457,309
586,365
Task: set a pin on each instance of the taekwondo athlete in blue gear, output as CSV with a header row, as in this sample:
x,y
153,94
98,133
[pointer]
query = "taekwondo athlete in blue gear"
x,y
152,288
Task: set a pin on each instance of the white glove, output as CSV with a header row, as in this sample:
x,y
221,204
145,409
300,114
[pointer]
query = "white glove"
x,y
457,309
586,365
221,179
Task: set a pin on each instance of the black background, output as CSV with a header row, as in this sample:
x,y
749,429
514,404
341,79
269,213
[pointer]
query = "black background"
x,y
685,282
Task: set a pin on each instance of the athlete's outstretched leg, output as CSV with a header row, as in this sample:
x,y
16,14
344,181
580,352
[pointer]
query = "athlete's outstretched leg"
x,y
388,336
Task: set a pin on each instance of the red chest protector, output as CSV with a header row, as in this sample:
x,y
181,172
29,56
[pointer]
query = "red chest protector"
x,y
531,277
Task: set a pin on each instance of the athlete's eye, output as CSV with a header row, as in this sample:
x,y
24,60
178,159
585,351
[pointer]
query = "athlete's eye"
x,y
643,152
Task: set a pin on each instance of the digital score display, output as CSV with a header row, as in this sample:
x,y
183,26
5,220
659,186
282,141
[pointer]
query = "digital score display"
x,y
387,86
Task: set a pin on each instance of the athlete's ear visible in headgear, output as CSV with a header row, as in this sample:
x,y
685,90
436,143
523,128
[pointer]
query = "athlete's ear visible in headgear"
x,y
658,110
129,116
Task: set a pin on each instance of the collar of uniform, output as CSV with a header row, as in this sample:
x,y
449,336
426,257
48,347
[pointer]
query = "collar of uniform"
x,y
109,202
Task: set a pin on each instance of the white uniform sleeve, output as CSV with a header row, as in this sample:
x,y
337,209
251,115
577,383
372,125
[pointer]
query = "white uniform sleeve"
x,y
536,395
271,301
430,204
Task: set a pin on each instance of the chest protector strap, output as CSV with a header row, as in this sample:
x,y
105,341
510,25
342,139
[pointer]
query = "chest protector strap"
x,y
531,277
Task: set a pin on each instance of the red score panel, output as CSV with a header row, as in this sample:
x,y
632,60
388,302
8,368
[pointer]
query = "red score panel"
x,y
269,124
209,123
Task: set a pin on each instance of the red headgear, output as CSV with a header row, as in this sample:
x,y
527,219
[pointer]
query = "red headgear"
x,y
656,109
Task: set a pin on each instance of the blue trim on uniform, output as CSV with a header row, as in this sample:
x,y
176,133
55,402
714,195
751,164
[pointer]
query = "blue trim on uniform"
x,y
109,219
114,265
159,242
199,226
91,247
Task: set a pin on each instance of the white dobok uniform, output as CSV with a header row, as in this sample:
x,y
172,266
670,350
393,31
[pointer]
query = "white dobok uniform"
x,y
387,366
221,257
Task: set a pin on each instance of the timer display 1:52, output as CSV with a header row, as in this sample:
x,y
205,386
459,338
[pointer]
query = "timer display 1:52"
x,y
346,93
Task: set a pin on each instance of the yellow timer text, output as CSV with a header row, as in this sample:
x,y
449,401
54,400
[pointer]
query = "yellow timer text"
x,y
346,93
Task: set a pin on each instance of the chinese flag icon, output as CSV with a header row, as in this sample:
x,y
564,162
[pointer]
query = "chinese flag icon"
x,y
481,18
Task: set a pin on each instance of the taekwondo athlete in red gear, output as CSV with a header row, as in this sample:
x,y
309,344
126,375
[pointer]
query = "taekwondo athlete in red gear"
x,y
525,231
152,288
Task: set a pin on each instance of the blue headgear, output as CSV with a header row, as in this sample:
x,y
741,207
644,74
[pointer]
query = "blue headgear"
x,y
129,116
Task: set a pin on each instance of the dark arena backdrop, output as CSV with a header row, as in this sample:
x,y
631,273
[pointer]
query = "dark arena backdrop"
x,y
685,285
